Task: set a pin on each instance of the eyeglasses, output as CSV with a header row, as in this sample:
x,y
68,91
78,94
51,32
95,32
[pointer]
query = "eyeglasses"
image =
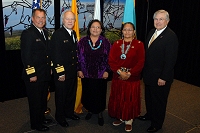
x,y
129,30
68,19
159,19
97,27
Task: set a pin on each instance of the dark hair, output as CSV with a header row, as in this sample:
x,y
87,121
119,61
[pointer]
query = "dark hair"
x,y
41,10
126,24
90,24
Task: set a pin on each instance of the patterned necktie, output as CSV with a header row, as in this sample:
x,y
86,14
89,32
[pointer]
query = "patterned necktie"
x,y
43,35
153,38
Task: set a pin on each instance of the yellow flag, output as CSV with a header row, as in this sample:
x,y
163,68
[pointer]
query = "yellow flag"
x,y
78,104
76,25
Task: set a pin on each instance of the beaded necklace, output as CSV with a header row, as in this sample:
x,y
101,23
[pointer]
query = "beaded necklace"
x,y
96,47
123,55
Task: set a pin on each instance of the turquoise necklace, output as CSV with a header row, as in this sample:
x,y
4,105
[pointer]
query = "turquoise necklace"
x,y
96,47
123,55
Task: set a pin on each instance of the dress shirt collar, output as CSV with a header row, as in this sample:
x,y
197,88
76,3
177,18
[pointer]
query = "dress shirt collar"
x,y
69,31
160,31
38,29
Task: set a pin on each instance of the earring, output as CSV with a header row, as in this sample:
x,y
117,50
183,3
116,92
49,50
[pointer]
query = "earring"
x,y
134,36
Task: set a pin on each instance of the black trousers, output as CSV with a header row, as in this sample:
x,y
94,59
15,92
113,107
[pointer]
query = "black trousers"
x,y
94,94
37,99
65,97
156,102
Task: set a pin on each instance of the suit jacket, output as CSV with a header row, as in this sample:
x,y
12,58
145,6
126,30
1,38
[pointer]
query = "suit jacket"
x,y
64,54
35,54
160,57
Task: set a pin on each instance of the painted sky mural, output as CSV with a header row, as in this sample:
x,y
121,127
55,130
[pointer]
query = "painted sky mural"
x,y
112,12
17,16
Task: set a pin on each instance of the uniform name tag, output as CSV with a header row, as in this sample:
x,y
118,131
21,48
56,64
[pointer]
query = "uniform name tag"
x,y
65,41
38,40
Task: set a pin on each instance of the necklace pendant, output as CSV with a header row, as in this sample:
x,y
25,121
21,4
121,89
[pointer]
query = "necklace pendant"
x,y
123,56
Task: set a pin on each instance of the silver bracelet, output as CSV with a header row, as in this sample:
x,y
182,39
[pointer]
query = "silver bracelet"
x,y
118,72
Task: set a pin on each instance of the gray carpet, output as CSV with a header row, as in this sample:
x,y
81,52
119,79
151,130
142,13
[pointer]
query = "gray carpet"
x,y
182,116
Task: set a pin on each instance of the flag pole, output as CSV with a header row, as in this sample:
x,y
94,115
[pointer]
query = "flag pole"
x,y
40,4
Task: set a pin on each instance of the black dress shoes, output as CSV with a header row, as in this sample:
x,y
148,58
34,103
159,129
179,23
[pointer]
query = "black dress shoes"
x,y
74,117
47,121
88,116
152,129
63,123
100,121
42,128
143,118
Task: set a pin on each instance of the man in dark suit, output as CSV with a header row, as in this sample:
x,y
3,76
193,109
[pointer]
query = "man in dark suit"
x,y
36,72
161,52
64,57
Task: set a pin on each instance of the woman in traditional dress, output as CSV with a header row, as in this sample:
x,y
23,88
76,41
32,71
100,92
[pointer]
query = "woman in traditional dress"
x,y
93,69
126,60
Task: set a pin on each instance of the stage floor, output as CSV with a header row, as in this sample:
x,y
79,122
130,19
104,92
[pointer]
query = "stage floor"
x,y
182,116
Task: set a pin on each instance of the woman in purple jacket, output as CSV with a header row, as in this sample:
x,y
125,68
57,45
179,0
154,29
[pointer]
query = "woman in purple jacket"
x,y
93,69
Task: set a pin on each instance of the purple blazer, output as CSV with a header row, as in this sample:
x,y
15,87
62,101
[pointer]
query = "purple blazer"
x,y
93,61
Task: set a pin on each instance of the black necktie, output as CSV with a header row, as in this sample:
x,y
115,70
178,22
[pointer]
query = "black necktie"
x,y
72,35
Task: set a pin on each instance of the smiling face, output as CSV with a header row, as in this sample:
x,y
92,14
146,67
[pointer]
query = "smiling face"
x,y
95,29
160,21
39,19
128,31
68,20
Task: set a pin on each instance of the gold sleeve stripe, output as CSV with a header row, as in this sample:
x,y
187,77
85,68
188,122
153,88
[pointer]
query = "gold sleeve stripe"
x,y
30,70
60,69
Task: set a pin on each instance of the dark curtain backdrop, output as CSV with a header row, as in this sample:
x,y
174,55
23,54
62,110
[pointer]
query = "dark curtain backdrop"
x,y
2,56
11,84
184,20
